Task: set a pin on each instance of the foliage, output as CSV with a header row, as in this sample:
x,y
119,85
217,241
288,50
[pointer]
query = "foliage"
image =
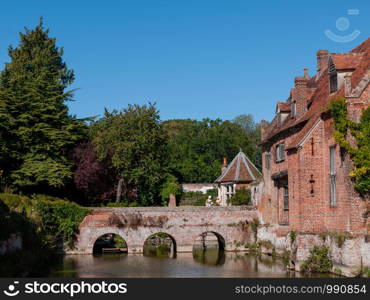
x,y
254,226
286,257
253,248
293,236
55,219
340,239
197,148
359,153
60,219
119,242
36,130
169,187
17,218
241,197
134,143
318,261
266,244
253,131
94,177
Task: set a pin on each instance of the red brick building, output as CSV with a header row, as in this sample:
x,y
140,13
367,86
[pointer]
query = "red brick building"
x,y
305,173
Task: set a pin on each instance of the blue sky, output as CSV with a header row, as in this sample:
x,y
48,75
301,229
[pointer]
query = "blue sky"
x,y
195,59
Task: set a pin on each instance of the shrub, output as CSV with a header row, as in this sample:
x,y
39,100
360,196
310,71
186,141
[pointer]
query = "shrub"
x,y
254,226
293,236
17,203
60,218
56,219
169,187
318,261
286,257
340,239
266,244
241,197
253,248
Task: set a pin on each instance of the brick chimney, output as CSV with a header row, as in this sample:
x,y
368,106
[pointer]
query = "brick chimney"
x,y
301,93
322,60
224,165
263,125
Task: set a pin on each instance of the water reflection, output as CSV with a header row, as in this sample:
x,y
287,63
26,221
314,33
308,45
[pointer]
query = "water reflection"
x,y
211,256
160,245
209,263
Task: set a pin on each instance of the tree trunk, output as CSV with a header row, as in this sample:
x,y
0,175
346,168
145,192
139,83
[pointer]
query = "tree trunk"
x,y
119,190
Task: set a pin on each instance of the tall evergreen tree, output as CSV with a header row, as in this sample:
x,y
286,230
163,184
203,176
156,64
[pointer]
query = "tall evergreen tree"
x,y
36,129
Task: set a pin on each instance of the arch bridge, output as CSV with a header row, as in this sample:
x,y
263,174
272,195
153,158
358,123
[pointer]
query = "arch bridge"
x,y
183,224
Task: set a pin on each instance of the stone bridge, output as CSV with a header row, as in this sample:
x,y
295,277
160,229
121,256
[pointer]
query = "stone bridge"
x,y
183,224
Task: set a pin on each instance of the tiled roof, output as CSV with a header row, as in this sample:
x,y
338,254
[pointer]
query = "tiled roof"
x,y
346,61
318,94
321,97
241,169
283,106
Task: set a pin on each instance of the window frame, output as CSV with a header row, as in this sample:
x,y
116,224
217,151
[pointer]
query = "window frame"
x,y
332,176
280,152
293,109
286,197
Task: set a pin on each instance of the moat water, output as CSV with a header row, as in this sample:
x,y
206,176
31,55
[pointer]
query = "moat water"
x,y
210,263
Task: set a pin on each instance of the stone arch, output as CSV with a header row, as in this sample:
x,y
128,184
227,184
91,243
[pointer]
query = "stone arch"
x,y
220,238
95,247
88,237
174,243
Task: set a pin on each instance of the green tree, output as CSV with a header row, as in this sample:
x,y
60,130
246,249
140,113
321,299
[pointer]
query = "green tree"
x,y
36,130
197,148
134,142
170,186
253,131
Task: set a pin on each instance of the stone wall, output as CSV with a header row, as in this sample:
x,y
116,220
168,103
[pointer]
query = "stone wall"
x,y
348,256
198,187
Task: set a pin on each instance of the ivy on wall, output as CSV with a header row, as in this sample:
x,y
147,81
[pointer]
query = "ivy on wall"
x,y
360,152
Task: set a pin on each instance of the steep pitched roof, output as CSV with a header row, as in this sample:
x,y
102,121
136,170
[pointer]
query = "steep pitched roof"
x,y
357,59
321,97
241,169
283,106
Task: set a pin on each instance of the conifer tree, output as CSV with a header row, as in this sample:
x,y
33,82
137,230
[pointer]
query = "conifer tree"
x,y
36,130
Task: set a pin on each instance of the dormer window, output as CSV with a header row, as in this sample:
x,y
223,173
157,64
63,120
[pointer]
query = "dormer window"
x,y
333,82
293,109
333,77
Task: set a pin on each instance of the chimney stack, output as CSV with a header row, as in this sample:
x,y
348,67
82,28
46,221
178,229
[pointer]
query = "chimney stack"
x,y
322,60
224,166
301,89
264,124
305,73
